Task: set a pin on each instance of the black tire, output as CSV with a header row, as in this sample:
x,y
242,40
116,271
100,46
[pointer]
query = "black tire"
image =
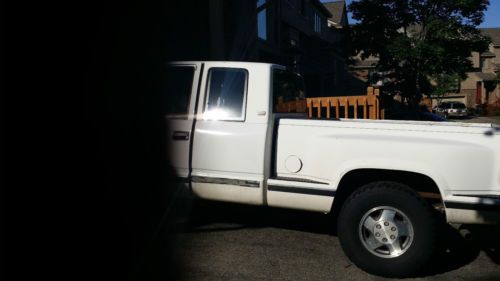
x,y
394,196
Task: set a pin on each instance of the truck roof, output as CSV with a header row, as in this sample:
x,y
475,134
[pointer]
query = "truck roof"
x,y
242,63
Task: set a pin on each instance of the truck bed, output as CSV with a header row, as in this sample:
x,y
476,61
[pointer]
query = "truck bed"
x,y
457,156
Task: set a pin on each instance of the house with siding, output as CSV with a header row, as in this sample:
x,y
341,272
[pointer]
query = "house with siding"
x,y
481,87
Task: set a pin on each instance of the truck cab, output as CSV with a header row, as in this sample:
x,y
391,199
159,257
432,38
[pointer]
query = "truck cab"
x,y
221,126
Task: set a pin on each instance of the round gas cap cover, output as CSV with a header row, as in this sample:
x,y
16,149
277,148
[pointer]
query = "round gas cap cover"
x,y
293,164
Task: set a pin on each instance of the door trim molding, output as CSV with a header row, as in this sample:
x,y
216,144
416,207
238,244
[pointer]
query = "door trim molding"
x,y
228,181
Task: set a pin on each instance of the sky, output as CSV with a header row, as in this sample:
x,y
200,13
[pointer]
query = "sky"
x,y
491,18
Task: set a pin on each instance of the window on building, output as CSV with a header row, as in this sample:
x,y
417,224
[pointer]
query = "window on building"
x,y
226,94
179,81
317,23
261,20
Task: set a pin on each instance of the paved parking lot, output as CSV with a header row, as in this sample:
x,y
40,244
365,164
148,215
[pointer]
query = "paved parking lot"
x,y
234,242
480,119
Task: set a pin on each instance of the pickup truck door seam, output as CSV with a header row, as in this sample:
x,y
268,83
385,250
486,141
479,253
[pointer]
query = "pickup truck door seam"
x,y
191,141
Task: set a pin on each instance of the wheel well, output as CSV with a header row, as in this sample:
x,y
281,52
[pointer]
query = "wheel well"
x,y
355,179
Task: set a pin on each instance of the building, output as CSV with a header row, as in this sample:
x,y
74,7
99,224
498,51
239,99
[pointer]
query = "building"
x,y
304,35
363,73
480,89
481,86
338,10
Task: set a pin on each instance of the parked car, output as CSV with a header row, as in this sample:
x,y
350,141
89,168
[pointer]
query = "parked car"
x,y
415,116
228,141
452,109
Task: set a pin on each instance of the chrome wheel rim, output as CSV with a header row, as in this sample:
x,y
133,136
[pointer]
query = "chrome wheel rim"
x,y
386,232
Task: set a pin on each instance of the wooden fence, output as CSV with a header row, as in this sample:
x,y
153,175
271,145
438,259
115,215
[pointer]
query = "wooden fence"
x,y
362,107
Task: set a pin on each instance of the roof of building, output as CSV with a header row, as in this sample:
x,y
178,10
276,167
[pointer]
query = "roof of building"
x,y
368,63
488,55
485,76
337,9
320,6
493,33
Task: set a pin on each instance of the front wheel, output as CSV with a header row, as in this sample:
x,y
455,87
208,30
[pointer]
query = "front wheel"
x,y
387,229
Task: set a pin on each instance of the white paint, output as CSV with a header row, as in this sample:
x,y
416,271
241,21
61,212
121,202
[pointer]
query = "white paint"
x,y
293,164
457,158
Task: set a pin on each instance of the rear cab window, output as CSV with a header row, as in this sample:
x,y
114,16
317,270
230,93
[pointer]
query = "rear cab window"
x,y
288,88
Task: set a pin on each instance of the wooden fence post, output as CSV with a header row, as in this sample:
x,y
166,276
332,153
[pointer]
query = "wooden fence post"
x,y
346,108
319,108
337,109
356,109
309,107
376,92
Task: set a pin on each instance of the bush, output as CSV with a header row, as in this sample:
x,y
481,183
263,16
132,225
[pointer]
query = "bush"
x,y
471,111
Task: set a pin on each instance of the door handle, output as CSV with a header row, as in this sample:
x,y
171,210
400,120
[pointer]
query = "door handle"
x,y
180,135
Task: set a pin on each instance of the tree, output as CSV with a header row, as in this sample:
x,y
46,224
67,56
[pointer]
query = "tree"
x,y
443,84
417,40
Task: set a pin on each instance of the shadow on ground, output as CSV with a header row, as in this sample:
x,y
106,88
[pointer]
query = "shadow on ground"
x,y
461,245
456,246
209,216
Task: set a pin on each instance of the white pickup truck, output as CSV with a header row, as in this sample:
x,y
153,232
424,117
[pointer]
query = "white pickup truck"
x,y
384,179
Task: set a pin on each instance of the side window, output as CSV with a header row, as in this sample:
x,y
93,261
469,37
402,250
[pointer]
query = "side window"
x,y
287,87
179,81
226,94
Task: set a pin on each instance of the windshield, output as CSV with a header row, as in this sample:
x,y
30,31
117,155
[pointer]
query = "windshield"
x,y
458,105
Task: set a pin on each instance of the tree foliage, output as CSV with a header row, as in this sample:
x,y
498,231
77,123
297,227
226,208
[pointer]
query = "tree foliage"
x,y
443,84
417,40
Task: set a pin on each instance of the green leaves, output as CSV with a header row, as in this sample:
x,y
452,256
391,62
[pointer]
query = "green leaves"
x,y
419,40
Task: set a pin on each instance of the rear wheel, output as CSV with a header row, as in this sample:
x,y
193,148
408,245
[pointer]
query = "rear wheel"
x,y
387,229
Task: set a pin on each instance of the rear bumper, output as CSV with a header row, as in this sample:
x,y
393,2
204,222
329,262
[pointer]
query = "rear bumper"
x,y
457,114
473,209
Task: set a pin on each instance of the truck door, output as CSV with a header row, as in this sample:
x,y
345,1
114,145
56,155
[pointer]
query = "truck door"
x,y
229,146
181,91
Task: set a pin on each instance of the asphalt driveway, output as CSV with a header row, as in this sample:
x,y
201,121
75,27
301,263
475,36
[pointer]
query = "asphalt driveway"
x,y
223,241
480,119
